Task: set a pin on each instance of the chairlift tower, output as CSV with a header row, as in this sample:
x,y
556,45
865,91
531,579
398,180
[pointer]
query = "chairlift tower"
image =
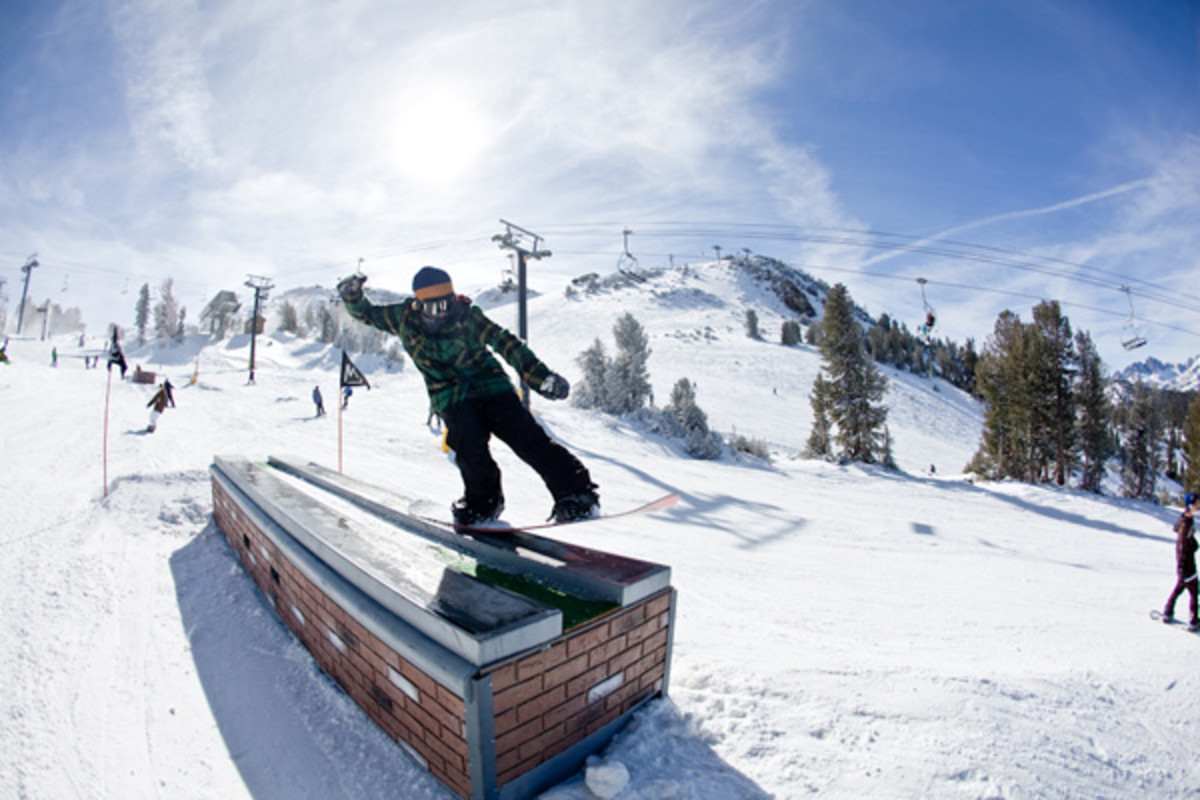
x,y
30,263
261,287
526,244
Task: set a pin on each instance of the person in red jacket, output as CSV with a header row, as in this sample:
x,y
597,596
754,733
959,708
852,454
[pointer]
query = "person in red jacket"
x,y
1185,562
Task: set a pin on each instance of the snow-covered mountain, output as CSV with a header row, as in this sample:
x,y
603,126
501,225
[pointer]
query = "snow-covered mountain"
x,y
1178,377
841,631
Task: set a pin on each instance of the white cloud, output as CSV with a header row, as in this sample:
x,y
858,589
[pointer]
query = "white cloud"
x,y
166,89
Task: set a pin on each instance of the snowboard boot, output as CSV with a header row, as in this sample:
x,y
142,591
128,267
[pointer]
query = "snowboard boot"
x,y
573,507
468,513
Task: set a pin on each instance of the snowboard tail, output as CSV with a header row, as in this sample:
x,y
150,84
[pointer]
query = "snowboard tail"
x,y
1159,617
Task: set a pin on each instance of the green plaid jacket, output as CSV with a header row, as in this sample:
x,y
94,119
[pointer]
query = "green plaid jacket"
x,y
455,360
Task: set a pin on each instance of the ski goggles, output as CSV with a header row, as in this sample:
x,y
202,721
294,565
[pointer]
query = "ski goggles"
x,y
436,306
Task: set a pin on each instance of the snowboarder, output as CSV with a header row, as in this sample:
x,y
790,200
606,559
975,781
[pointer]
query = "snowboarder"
x,y
54,356
448,339
158,404
1185,562
318,401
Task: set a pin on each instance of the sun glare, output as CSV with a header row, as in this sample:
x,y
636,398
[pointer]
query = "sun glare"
x,y
437,135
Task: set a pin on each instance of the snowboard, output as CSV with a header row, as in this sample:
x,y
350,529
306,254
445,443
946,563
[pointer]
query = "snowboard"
x,y
1158,617
500,526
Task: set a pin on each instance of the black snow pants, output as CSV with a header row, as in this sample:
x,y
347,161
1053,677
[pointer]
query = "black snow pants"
x,y
470,426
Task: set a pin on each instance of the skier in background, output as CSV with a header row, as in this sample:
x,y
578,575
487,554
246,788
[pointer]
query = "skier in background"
x,y
1185,562
346,392
448,339
318,401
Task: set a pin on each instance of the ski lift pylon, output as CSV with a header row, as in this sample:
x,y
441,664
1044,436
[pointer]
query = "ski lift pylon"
x,y
1131,331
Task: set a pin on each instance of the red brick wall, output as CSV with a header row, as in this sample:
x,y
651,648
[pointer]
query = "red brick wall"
x,y
427,719
552,699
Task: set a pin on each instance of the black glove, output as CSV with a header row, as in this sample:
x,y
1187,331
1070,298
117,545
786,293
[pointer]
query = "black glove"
x,y
555,387
351,288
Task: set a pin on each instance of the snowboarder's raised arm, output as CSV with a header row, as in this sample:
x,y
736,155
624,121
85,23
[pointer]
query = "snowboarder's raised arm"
x,y
385,317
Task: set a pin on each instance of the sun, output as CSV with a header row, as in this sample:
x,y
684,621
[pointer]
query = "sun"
x,y
437,135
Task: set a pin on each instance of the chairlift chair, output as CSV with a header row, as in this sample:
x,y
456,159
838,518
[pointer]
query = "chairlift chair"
x,y
1131,331
926,327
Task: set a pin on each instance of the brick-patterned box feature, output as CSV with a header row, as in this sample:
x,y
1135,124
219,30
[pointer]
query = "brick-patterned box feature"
x,y
502,719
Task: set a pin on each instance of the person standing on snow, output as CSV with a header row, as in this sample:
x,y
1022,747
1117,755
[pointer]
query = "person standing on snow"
x,y
318,401
115,355
1185,562
448,339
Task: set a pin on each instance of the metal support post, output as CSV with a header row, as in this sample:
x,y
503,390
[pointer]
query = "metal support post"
x,y
30,263
525,244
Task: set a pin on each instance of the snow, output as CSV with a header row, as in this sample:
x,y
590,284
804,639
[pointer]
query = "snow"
x,y
842,631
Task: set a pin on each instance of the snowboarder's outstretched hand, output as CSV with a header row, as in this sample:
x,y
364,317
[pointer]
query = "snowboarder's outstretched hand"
x,y
351,289
555,387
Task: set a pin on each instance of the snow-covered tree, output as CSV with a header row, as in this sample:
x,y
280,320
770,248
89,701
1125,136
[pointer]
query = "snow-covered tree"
x,y
699,441
752,324
166,312
591,391
628,379
289,318
142,313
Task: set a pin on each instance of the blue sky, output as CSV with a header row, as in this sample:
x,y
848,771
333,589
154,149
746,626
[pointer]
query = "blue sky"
x,y
1006,151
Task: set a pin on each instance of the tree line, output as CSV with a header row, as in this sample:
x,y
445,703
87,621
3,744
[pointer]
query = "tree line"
x,y
1051,415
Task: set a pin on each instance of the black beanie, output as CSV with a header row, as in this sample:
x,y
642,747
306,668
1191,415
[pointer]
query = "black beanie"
x,y
431,282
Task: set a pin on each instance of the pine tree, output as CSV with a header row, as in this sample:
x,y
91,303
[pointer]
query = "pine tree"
x,y
289,319
591,392
752,324
628,383
790,334
699,441
1191,447
166,312
1094,414
820,438
142,313
1054,368
856,386
998,379
1140,433
327,325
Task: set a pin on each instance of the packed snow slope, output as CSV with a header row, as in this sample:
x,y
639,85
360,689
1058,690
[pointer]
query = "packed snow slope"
x,y
842,631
